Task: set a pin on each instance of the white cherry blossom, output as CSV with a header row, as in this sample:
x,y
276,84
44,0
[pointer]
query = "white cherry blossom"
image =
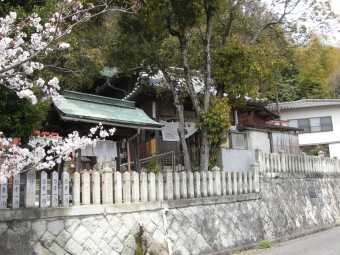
x,y
18,63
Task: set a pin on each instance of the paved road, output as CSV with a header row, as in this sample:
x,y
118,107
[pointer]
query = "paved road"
x,y
322,243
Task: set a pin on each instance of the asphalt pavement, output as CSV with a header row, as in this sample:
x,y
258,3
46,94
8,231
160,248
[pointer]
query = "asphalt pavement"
x,y
321,243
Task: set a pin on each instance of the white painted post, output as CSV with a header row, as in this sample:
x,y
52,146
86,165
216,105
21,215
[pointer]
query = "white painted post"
x,y
29,189
259,159
76,188
159,187
255,170
290,163
118,192
95,188
272,168
321,155
210,184
190,185
300,162
16,192
126,188
296,161
143,187
134,187
267,162
169,185
245,182
282,161
183,185
197,184
3,195
250,182
313,162
336,170
276,162
306,163
204,184
152,187
65,189
235,182
223,183
216,181
85,188
240,183
176,186
229,184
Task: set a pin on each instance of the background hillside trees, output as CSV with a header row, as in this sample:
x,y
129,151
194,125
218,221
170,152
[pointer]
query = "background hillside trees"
x,y
243,46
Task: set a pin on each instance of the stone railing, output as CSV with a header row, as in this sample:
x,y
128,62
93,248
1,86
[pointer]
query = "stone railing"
x,y
107,187
287,163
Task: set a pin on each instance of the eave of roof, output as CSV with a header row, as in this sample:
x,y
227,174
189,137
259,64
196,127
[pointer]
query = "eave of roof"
x,y
75,106
304,103
259,109
158,81
270,127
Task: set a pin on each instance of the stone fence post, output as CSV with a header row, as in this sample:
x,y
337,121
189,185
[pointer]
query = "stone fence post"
x,y
107,189
65,185
76,189
159,187
217,180
118,194
190,180
183,185
126,187
29,189
143,187
151,187
168,185
54,189
204,184
95,188
134,187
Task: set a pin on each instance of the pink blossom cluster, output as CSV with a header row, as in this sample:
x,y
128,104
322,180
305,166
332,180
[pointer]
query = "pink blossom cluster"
x,y
18,50
13,159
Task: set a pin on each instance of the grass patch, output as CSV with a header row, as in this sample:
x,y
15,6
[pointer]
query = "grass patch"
x,y
265,244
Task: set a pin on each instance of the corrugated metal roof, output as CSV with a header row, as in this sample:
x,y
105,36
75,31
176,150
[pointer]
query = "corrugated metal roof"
x,y
91,108
304,103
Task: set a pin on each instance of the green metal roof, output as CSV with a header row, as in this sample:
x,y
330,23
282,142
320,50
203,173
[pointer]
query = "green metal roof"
x,y
82,107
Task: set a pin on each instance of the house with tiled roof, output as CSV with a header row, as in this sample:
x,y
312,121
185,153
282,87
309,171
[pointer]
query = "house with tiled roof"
x,y
319,120
249,121
75,111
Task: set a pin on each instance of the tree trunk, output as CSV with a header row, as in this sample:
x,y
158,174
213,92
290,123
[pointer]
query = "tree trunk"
x,y
179,108
187,162
205,146
178,105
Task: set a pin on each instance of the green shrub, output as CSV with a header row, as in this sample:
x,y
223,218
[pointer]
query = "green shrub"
x,y
265,244
152,166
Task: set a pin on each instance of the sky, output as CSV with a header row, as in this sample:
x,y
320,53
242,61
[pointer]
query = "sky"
x,y
336,9
336,6
335,30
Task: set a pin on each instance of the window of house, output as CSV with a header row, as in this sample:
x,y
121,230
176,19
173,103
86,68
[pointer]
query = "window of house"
x,y
311,125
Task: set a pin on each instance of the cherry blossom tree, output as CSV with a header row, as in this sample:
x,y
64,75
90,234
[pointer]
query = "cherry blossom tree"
x,y
20,52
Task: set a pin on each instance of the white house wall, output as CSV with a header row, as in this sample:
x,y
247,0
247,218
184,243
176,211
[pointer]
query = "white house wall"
x,y
258,140
329,137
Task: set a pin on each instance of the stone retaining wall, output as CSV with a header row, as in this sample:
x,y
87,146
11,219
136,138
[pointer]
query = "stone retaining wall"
x,y
192,226
287,208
